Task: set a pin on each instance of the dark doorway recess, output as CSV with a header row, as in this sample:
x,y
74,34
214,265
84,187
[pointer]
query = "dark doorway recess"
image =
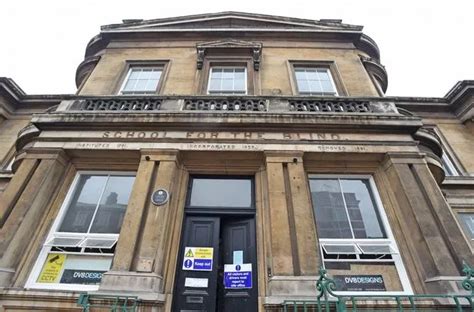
x,y
229,283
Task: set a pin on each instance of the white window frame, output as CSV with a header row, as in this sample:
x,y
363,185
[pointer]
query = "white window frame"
x,y
331,79
45,249
229,92
389,241
141,92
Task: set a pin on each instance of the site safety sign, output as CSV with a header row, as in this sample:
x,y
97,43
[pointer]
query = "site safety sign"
x,y
198,258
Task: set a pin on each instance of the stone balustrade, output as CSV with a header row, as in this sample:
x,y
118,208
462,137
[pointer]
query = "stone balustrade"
x,y
261,104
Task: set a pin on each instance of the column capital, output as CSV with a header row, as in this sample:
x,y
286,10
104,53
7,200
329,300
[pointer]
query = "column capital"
x,y
283,156
160,155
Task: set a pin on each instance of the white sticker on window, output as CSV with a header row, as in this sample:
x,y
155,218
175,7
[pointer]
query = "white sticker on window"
x,y
196,282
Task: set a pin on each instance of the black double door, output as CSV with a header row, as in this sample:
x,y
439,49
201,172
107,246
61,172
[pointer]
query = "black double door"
x,y
232,239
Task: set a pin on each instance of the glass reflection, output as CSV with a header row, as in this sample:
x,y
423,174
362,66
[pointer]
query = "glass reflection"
x,y
208,192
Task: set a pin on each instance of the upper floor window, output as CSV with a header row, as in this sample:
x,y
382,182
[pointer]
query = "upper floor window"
x,y
227,80
314,81
142,80
81,243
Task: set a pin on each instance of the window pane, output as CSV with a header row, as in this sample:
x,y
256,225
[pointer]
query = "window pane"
x,y
329,210
142,80
151,85
227,84
341,249
221,193
323,74
155,74
362,210
140,85
239,73
315,86
215,84
227,80
376,249
113,204
216,73
327,86
467,221
130,85
316,81
311,74
303,86
239,84
83,204
145,74
135,73
228,73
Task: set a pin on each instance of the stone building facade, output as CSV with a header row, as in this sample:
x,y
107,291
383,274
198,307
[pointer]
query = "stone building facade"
x,y
216,162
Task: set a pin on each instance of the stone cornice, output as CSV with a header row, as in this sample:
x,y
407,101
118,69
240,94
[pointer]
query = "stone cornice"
x,y
461,97
459,101
220,24
199,18
13,98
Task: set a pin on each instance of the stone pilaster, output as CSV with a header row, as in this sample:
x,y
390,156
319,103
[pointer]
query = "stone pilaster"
x,y
425,222
24,203
282,255
142,245
306,236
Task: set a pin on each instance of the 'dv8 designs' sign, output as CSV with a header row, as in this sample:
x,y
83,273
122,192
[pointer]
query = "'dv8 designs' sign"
x,y
359,282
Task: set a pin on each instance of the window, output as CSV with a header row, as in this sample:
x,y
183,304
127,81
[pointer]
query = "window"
x,y
142,80
235,192
81,243
353,231
314,81
448,166
467,223
227,80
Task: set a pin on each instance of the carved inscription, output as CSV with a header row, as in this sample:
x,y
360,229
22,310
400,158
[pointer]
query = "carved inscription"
x,y
299,136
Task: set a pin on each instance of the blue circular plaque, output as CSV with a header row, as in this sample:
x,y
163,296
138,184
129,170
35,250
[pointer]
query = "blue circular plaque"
x,y
160,197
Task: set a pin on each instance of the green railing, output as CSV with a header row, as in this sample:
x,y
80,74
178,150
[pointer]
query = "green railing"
x,y
326,300
108,302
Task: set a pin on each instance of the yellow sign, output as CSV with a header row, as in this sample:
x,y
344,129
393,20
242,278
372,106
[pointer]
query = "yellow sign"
x,y
189,253
203,253
52,268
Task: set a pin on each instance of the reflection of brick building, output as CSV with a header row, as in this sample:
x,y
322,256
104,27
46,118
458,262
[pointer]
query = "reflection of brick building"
x,y
269,102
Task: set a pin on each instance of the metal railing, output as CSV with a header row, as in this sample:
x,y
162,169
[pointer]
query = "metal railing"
x,y
111,303
327,300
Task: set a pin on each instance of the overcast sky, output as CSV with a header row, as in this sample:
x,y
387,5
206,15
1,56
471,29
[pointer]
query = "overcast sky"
x,y
426,46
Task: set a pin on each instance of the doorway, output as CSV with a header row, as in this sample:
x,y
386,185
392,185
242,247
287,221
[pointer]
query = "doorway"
x,y
217,267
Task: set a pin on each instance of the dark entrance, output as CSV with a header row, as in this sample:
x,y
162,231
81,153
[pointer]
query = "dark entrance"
x,y
221,222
